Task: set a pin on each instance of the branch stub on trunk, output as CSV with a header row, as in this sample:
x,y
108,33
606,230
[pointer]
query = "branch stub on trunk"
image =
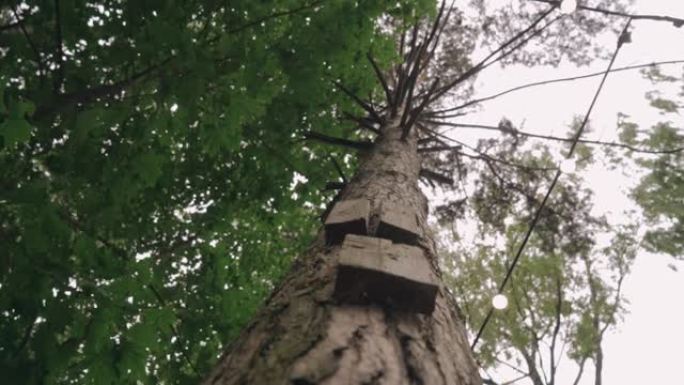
x,y
347,217
374,270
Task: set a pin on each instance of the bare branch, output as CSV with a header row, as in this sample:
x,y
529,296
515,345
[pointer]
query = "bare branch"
x,y
556,328
366,122
616,304
405,68
418,110
276,15
436,177
481,155
356,145
513,381
532,366
580,372
513,367
439,148
339,169
501,51
429,139
381,78
367,107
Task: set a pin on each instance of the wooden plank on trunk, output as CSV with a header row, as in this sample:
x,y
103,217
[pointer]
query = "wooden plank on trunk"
x,y
347,217
373,270
398,224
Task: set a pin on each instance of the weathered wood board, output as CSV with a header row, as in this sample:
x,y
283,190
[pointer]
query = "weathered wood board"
x,y
347,217
374,270
397,224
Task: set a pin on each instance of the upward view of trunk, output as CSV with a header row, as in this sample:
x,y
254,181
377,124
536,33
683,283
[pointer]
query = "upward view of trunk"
x,y
304,336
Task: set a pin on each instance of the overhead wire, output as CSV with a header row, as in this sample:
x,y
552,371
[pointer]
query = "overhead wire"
x,y
537,215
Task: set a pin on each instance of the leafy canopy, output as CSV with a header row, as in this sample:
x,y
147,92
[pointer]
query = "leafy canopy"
x,y
151,178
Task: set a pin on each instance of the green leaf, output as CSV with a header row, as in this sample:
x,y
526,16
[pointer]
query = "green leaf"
x,y
15,130
665,105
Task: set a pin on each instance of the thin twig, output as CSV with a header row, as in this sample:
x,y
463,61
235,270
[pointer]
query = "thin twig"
x,y
381,78
556,329
482,155
438,149
339,169
275,15
367,123
499,51
437,177
418,110
367,107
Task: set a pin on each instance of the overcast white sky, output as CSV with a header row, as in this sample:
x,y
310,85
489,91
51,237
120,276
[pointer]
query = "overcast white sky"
x,y
647,348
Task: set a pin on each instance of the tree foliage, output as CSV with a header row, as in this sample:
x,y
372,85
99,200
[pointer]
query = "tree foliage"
x,y
565,292
151,175
661,190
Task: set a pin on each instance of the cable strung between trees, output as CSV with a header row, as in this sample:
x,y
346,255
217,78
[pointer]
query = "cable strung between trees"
x,y
442,113
537,215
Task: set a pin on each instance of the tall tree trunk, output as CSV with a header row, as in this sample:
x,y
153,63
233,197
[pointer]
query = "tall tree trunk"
x,y
304,336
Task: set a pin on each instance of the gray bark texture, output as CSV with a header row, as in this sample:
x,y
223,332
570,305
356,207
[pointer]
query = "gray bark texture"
x,y
302,336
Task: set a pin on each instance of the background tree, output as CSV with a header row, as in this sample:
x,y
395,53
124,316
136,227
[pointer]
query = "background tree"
x,y
563,295
661,189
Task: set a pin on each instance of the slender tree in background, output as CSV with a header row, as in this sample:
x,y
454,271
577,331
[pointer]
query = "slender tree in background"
x,y
576,283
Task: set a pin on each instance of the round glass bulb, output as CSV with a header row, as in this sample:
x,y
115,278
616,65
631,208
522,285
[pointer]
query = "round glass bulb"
x,y
568,166
568,6
500,302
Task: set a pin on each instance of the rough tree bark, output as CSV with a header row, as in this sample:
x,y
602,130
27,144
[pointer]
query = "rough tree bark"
x,y
304,336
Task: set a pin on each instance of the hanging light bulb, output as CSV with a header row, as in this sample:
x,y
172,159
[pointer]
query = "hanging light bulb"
x,y
500,302
568,166
568,6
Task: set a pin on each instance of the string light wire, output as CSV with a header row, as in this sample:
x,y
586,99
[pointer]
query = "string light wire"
x,y
621,40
